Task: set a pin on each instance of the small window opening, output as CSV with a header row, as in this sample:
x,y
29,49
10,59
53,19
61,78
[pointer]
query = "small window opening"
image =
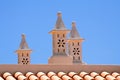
x,y
22,55
72,44
74,53
79,58
63,50
73,58
27,54
63,35
58,50
58,35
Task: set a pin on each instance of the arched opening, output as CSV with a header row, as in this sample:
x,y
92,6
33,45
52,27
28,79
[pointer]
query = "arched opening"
x,y
58,50
79,58
22,55
63,50
57,35
63,35
73,57
78,43
27,54
72,43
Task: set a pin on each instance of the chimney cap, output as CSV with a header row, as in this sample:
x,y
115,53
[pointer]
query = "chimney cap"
x,y
59,14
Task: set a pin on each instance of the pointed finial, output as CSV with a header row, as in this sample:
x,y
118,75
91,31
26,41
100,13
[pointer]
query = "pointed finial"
x,y
74,33
23,35
59,23
59,14
73,24
23,44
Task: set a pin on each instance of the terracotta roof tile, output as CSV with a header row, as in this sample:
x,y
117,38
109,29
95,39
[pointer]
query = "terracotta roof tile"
x,y
8,76
64,76
60,76
96,76
99,78
31,76
19,76
115,74
53,76
42,76
118,77
74,76
1,78
86,76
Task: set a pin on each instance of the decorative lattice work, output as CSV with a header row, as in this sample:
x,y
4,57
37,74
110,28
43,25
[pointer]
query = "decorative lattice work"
x,y
76,51
61,43
25,60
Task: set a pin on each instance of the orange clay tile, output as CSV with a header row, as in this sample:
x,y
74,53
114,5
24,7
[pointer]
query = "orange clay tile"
x,y
19,76
60,76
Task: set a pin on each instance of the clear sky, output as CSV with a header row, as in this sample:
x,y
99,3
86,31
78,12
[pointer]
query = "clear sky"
x,y
98,22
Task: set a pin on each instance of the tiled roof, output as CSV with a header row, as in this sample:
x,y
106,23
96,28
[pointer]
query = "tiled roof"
x,y
60,76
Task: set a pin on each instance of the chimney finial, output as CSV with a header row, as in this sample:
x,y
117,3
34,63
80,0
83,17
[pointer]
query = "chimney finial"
x,y
73,24
23,35
59,14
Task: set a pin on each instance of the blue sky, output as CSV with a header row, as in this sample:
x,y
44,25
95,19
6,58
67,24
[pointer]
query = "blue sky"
x,y
98,22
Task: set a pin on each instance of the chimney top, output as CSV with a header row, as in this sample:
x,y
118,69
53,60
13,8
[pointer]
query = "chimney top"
x,y
59,14
73,24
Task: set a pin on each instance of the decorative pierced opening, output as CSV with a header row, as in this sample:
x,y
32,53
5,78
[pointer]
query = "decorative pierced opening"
x,y
78,43
27,54
58,50
63,35
58,35
61,43
22,55
72,44
63,50
73,58
76,51
25,61
79,58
